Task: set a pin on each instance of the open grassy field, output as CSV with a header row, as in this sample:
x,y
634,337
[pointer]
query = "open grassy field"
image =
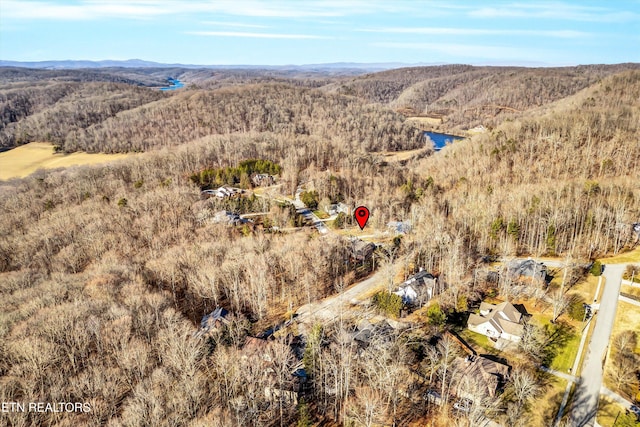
x,y
548,403
480,343
627,318
632,290
428,121
586,288
631,256
399,156
567,341
26,159
608,412
567,354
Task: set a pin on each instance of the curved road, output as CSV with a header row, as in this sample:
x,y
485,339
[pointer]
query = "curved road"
x,y
585,399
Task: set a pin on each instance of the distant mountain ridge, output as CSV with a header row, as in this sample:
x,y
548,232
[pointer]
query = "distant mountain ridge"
x,y
139,63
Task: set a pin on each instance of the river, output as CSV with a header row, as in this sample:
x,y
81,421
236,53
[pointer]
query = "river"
x,y
173,84
440,140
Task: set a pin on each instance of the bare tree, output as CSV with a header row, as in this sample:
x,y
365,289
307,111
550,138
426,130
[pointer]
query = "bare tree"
x,y
449,351
559,303
367,407
624,370
523,385
533,342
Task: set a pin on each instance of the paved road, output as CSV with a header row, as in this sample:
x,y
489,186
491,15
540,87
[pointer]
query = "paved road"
x,y
585,399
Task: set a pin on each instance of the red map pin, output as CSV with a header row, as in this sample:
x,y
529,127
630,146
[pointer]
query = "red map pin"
x,y
362,216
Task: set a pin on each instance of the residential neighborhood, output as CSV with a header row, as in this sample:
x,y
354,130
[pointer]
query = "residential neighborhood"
x,y
481,367
287,213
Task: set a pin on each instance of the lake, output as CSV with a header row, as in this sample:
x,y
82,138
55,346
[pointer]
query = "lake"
x,y
173,84
441,139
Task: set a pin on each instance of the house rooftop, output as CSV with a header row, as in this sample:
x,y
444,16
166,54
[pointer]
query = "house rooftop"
x,y
506,310
400,227
361,250
421,278
490,372
503,317
527,268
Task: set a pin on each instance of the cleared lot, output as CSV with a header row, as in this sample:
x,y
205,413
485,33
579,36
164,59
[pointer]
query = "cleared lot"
x,y
26,159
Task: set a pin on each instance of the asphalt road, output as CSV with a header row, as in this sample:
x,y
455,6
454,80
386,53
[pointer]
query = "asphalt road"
x,y
585,400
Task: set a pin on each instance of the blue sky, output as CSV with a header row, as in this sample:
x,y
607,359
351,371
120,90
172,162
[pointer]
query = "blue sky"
x,y
274,32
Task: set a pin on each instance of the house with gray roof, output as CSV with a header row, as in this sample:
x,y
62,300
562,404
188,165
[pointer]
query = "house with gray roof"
x,y
360,250
501,321
399,227
527,270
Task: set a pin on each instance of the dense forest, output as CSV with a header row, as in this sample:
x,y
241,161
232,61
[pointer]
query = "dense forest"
x,y
48,111
468,96
106,271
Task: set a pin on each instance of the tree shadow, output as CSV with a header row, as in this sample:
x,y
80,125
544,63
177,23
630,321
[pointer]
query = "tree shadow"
x,y
496,358
457,319
578,410
550,413
522,309
558,334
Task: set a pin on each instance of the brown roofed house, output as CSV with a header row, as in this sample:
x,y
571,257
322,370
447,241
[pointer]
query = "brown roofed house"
x,y
485,371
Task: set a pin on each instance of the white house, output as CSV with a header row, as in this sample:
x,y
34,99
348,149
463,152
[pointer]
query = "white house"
x,y
497,321
417,289
222,192
336,208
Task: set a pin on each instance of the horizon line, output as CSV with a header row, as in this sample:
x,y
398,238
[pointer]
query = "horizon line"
x,y
496,63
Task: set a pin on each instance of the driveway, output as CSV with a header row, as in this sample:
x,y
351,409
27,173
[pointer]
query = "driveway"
x,y
585,399
630,301
308,214
330,308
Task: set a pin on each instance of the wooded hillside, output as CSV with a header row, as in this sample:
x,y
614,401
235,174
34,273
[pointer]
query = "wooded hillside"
x,y
107,271
280,109
48,111
468,96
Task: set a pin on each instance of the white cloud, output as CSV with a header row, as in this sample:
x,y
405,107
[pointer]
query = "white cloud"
x,y
138,9
254,35
556,11
234,24
86,10
479,32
